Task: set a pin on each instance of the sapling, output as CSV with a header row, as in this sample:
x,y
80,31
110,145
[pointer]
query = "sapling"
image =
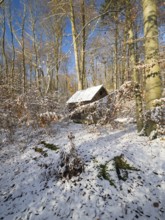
x,y
70,163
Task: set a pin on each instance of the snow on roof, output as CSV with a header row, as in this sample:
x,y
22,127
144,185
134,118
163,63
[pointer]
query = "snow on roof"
x,y
84,95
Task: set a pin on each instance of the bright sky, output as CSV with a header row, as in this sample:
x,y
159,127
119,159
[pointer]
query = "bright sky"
x,y
67,43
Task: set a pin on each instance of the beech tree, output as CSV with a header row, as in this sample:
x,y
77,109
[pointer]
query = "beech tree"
x,y
4,52
152,70
79,45
82,14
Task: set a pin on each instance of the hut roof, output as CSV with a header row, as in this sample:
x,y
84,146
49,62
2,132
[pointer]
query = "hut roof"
x,y
85,95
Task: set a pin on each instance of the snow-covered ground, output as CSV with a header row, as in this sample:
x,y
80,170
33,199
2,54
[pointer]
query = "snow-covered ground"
x,y
29,188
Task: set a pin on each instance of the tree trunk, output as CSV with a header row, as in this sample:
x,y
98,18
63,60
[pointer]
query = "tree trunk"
x,y
74,36
137,90
23,50
152,71
57,49
83,45
13,49
116,84
36,53
124,58
5,61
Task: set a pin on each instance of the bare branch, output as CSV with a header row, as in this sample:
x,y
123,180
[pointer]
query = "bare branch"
x,y
1,1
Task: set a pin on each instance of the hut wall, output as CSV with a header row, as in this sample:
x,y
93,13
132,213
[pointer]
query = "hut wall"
x,y
99,95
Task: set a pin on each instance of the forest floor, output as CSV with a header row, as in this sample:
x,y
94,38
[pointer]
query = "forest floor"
x,y
30,189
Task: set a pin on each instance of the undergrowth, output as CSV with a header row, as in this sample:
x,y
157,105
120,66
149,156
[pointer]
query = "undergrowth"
x,y
50,146
121,166
41,151
103,173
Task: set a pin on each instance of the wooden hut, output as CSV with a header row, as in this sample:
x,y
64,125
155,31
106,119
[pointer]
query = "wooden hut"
x,y
86,96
